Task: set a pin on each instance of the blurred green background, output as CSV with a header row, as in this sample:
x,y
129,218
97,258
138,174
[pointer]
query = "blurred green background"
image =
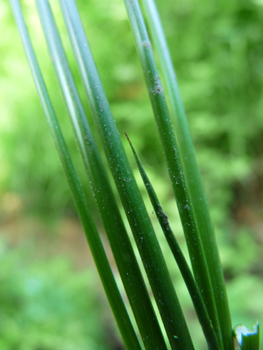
x,y
50,295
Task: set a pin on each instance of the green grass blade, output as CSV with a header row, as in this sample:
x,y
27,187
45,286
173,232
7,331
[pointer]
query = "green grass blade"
x,y
192,173
248,340
194,292
124,256
176,171
92,235
145,238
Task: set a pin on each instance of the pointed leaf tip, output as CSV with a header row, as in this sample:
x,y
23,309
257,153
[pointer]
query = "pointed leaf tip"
x,y
246,339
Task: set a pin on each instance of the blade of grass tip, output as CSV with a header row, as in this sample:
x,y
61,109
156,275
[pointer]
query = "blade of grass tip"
x,y
91,232
122,250
172,156
247,340
194,292
139,220
192,173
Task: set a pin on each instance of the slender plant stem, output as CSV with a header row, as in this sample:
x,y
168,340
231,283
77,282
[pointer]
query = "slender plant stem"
x,y
91,233
175,168
140,223
191,285
124,255
192,173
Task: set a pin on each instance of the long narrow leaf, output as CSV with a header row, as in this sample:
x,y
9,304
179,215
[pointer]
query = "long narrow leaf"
x,y
145,238
191,285
92,235
115,229
176,171
193,177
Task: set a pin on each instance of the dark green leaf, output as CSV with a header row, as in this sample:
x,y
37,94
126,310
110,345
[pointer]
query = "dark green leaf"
x,y
115,229
92,235
173,159
140,223
199,205
194,292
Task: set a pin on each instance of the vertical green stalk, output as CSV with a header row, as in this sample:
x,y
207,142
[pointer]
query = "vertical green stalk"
x,y
186,273
123,253
145,238
91,233
193,176
175,168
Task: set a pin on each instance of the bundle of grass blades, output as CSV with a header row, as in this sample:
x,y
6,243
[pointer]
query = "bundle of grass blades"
x,y
205,284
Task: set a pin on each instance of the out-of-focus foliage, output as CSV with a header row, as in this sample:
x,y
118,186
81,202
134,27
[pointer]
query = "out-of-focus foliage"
x,y
48,306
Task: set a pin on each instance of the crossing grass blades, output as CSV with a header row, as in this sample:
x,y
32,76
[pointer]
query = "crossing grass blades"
x,y
204,279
